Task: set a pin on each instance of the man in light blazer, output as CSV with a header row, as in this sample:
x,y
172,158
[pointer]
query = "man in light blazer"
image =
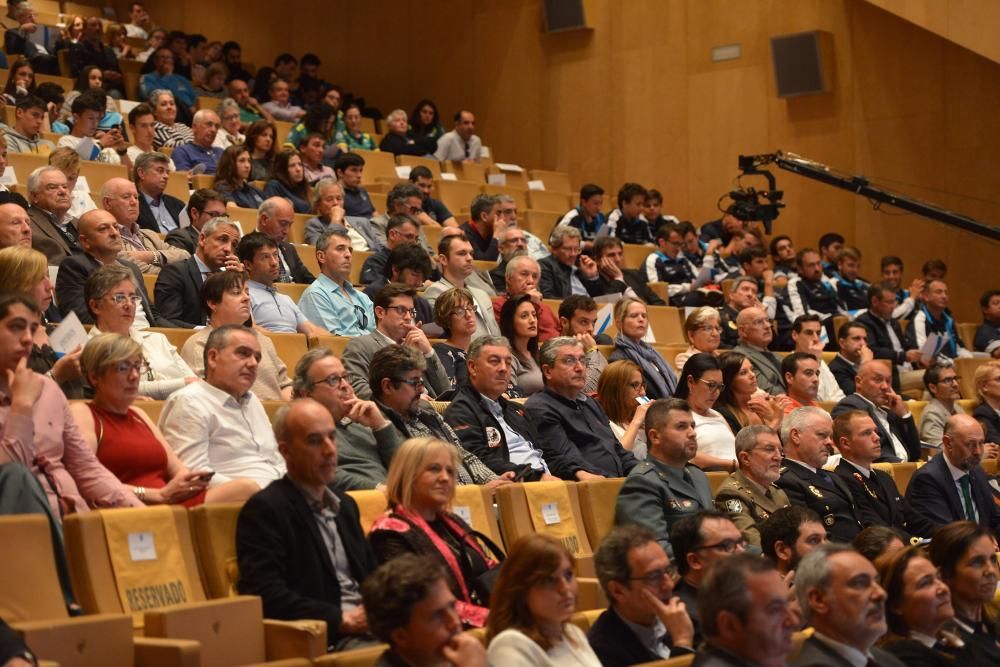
x,y
755,333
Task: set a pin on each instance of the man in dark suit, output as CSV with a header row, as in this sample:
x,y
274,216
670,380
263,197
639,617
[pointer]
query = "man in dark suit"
x,y
101,244
852,343
807,435
887,339
300,545
952,486
637,577
53,233
877,501
275,218
759,621
204,205
897,430
560,271
615,278
158,211
178,286
840,597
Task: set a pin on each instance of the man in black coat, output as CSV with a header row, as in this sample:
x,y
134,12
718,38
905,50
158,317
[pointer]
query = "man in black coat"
x,y
300,545
887,340
877,500
897,430
952,486
178,286
275,218
158,211
491,427
101,243
204,205
560,270
634,572
615,278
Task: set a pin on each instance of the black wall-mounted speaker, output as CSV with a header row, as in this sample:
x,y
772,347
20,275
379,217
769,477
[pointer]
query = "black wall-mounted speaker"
x,y
799,63
563,15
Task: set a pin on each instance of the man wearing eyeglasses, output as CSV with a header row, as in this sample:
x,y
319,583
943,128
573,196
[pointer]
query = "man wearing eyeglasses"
x,y
399,230
755,334
396,324
749,496
645,620
53,232
665,487
944,386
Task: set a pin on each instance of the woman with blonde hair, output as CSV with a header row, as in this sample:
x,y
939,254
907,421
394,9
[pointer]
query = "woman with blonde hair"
x,y
987,383
127,442
703,332
420,487
26,271
632,319
531,607
622,394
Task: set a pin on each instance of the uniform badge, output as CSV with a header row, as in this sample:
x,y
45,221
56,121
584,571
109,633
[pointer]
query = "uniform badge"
x,y
828,519
492,437
816,492
732,324
687,504
764,514
674,505
734,506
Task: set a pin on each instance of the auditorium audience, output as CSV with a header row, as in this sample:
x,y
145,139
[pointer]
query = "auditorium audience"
x,y
481,229
425,121
178,287
665,487
632,320
755,335
627,222
142,130
943,384
219,424
226,298
561,277
143,247
810,291
399,141
90,50
299,544
521,279
644,620
327,200
489,425
587,216
272,310
112,299
534,598
423,179
896,427
876,541
519,324
163,77
68,162
53,232
39,431
807,332
403,200
851,288
619,392
168,132
15,227
700,385
106,146
420,489
840,597
200,152
455,260
348,167
232,178
239,91
789,534
702,331
351,137
311,151
574,431
400,229
25,136
331,301
741,294
278,106
203,205
366,440
966,556
460,144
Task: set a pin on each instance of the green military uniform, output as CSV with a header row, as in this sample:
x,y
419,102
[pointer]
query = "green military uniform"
x,y
748,503
656,495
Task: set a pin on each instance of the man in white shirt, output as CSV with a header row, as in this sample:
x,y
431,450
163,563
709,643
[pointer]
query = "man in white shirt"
x,y
139,22
897,429
272,309
219,424
840,597
455,260
461,143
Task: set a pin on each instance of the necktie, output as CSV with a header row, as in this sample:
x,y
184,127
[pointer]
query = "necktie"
x,y
970,510
283,275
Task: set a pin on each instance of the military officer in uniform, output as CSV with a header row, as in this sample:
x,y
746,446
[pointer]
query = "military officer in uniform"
x,y
807,436
665,488
876,499
749,495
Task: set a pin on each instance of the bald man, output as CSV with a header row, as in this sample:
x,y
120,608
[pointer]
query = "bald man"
x,y
897,431
754,329
146,249
275,218
101,241
953,486
15,226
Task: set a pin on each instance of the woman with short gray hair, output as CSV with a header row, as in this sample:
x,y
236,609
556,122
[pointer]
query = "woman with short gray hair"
x,y
167,131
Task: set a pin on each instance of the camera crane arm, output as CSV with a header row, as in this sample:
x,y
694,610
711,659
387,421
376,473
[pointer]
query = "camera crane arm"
x,y
751,164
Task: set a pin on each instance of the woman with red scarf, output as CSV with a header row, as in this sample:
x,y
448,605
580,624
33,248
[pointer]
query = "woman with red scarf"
x,y
420,486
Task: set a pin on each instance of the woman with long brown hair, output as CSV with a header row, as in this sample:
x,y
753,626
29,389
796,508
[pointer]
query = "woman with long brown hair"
x,y
288,180
622,394
740,402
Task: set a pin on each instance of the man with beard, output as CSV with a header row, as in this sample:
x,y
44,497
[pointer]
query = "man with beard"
x,y
665,488
801,373
789,534
840,597
749,495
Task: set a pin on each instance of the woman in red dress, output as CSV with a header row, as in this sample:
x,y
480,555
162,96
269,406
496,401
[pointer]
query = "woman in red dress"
x,y
127,442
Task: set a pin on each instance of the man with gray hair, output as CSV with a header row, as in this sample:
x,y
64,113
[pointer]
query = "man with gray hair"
x,y
512,242
750,495
522,277
145,248
158,211
507,218
331,301
219,424
561,275
573,430
490,426
366,440
755,334
481,229
200,156
53,231
275,217
807,434
401,229
840,597
403,199
746,615
178,286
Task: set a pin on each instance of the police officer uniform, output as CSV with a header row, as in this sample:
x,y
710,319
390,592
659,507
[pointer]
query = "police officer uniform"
x,y
748,503
823,493
878,502
656,495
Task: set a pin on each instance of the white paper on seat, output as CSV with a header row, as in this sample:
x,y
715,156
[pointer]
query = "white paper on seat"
x,y
447,176
403,171
506,166
496,179
536,185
